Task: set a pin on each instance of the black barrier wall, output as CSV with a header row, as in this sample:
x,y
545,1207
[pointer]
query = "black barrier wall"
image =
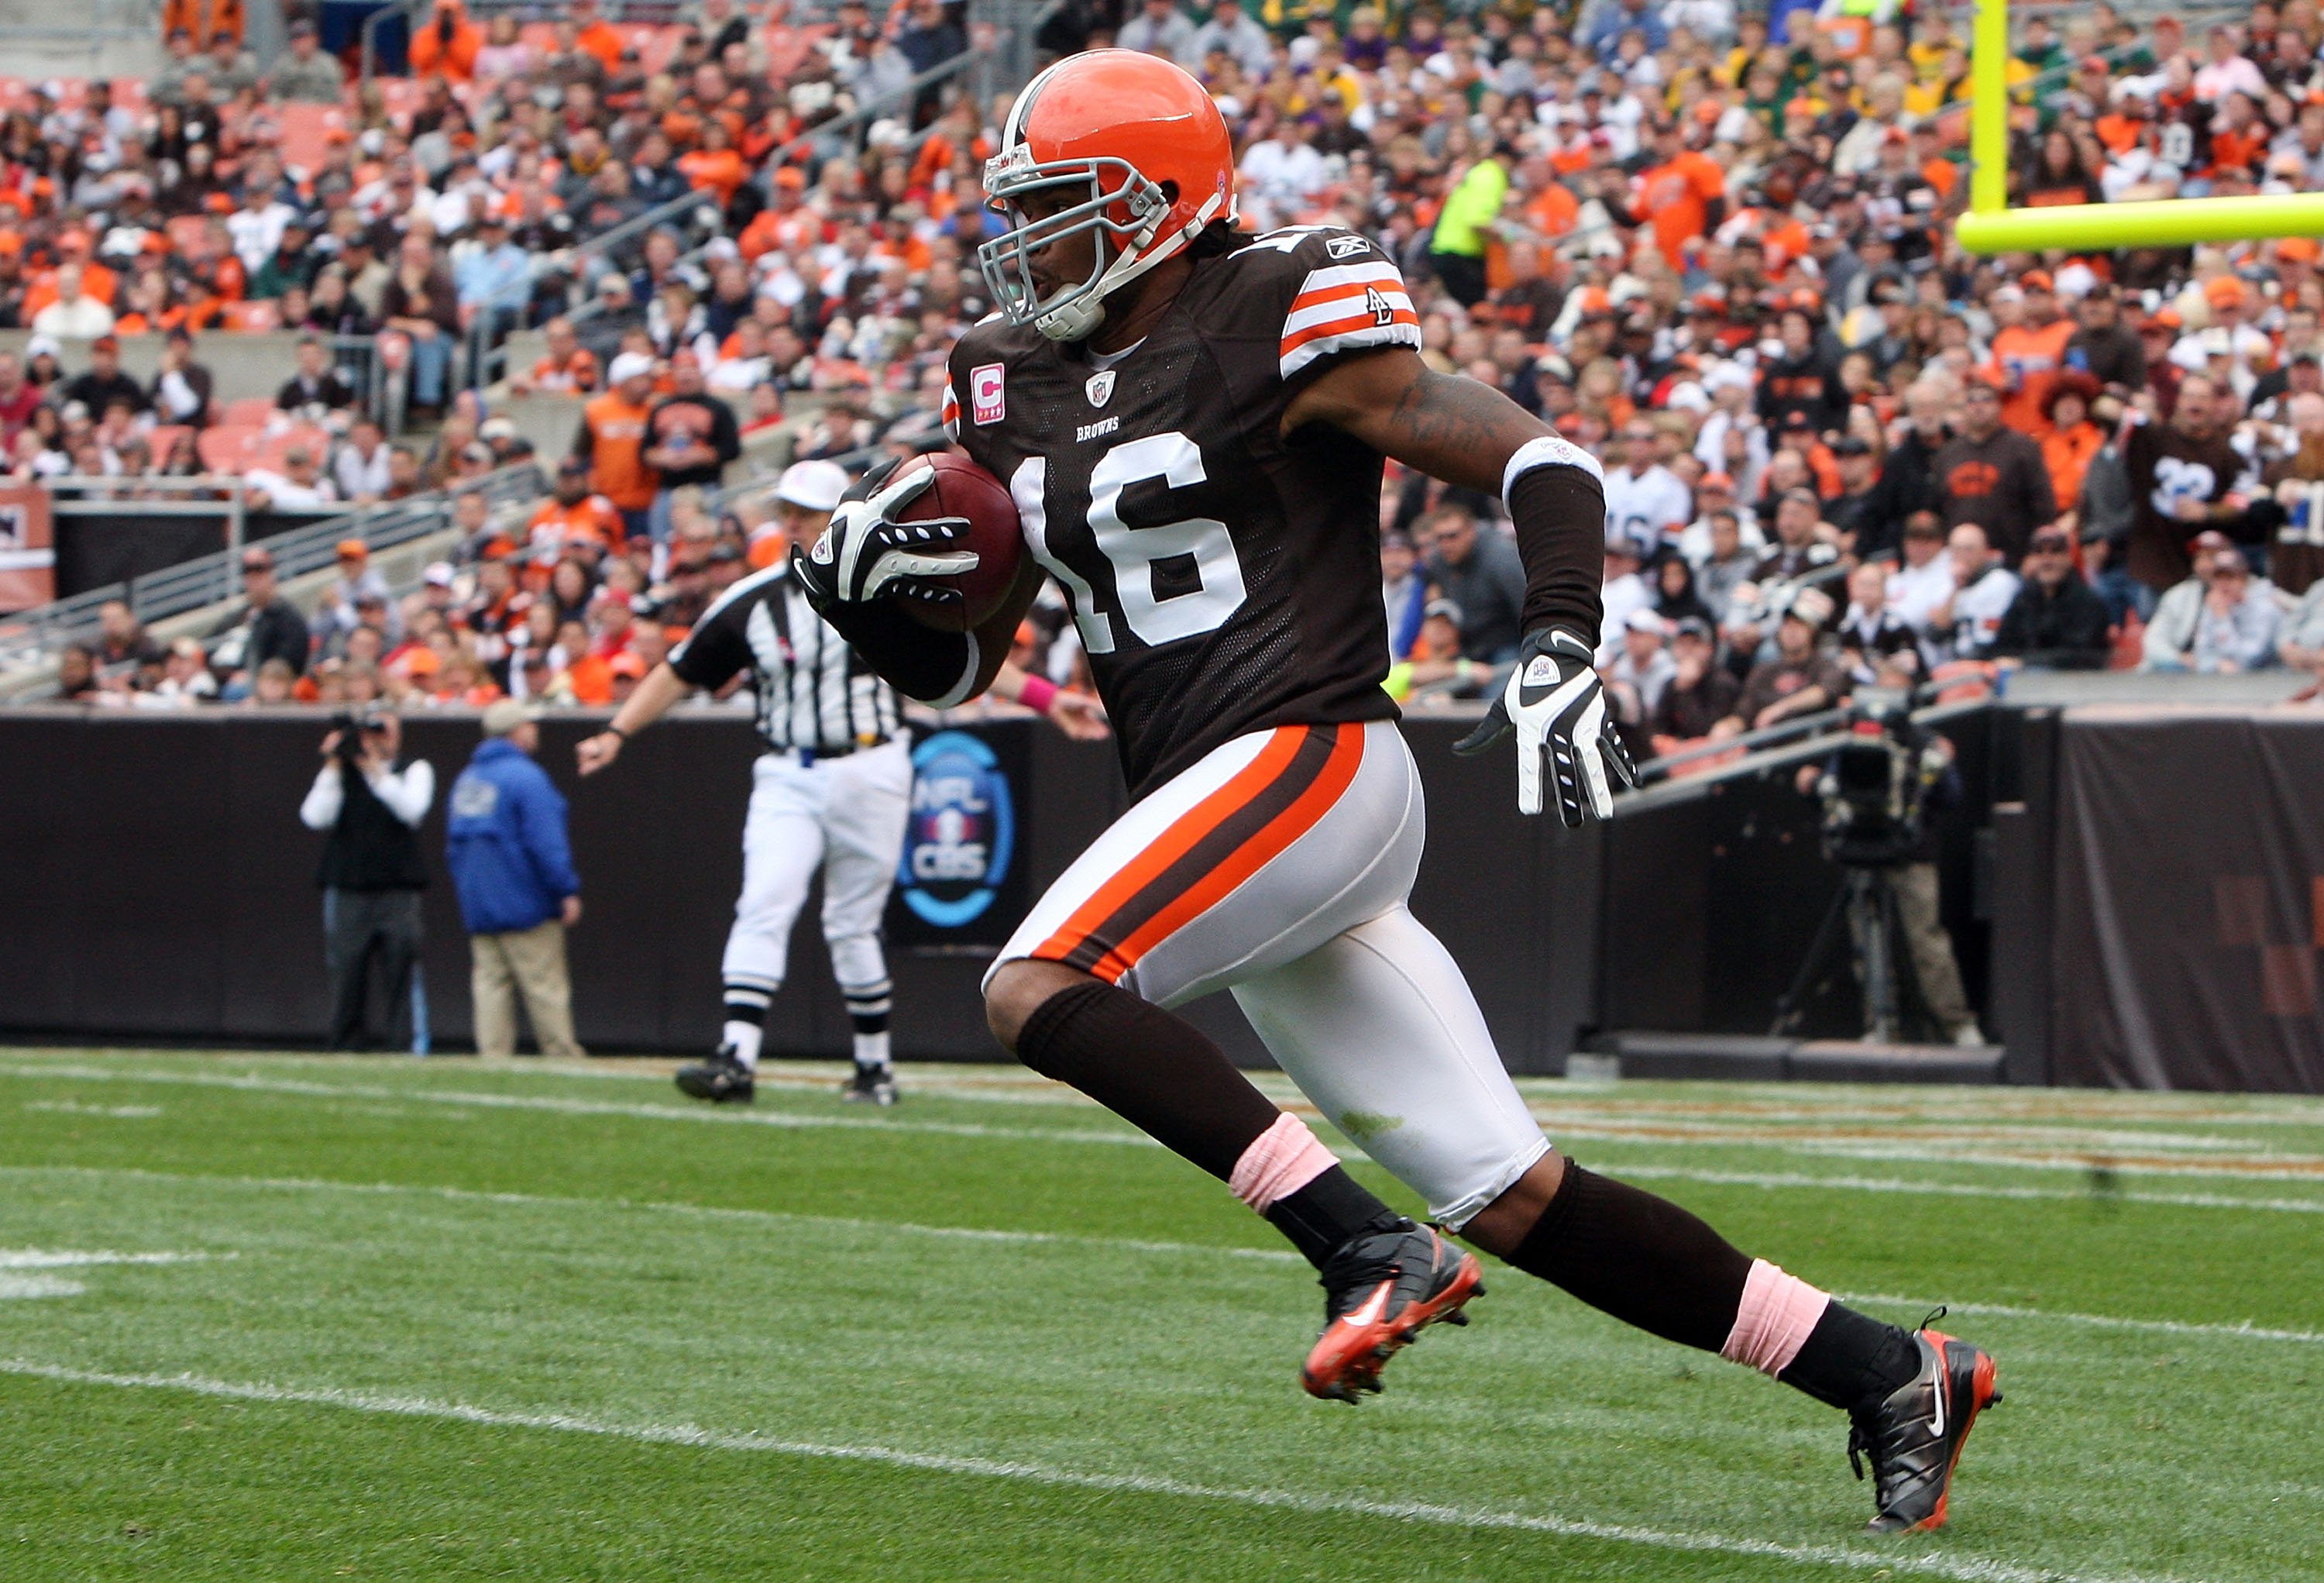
x,y
161,887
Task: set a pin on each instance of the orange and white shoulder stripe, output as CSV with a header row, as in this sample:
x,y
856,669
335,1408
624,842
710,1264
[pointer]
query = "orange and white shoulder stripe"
x,y
1343,306
950,412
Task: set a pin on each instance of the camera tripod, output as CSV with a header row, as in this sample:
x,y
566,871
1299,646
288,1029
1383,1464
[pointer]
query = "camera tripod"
x,y
1866,904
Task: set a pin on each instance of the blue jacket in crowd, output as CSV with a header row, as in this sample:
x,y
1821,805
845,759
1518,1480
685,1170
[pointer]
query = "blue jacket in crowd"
x,y
506,843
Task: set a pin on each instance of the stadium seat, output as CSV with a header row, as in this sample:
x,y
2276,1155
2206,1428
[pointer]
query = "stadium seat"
x,y
306,134
162,438
248,412
249,316
226,448
268,449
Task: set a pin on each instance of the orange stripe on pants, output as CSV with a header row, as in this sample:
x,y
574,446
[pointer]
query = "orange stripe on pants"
x,y
1293,822
1172,844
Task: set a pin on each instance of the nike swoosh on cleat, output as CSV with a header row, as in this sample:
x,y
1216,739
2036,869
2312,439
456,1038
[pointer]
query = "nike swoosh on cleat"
x,y
1370,1312
1944,1384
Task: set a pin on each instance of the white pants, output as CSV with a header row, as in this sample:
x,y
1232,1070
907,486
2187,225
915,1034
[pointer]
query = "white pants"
x,y
847,815
1278,866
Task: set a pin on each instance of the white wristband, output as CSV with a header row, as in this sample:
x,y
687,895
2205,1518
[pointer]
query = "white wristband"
x,y
1548,450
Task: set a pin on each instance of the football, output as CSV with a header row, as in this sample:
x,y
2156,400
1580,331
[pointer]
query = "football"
x,y
964,489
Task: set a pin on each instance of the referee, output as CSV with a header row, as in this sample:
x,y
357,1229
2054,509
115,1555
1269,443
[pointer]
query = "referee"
x,y
834,787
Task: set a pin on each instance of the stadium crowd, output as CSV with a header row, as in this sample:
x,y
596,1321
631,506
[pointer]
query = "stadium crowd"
x,y
1712,244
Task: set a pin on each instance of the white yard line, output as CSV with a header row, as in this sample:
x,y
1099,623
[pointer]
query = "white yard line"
x,y
560,1104
771,1217
2246,1331
555,1103
1957,1190
33,1258
1882,1559
118,1111
2243,1332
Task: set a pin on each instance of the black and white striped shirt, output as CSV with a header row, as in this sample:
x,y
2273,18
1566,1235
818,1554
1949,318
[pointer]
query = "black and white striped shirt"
x,y
813,691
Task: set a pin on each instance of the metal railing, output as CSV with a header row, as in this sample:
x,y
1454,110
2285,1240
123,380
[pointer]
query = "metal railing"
x,y
981,58
105,493
31,637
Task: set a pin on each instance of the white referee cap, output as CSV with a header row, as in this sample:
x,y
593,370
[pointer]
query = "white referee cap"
x,y
814,486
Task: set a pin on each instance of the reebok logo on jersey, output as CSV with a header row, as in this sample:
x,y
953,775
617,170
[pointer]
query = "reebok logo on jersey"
x,y
1346,246
1100,389
988,403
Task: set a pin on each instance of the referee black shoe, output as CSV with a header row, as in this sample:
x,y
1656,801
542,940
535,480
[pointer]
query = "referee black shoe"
x,y
1914,1438
723,1080
871,1085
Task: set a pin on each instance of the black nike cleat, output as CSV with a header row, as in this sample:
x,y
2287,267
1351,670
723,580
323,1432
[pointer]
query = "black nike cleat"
x,y
1380,1289
1914,1438
871,1085
723,1080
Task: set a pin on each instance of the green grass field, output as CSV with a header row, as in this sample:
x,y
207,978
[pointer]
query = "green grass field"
x,y
270,1317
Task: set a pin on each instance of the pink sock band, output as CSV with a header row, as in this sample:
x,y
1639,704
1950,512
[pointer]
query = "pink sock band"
x,y
1281,1160
1778,1313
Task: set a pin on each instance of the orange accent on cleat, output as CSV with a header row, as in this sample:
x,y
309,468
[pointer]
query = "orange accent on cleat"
x,y
1348,1357
1984,1392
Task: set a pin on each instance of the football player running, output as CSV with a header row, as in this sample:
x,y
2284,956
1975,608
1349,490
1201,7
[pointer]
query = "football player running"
x,y
1192,422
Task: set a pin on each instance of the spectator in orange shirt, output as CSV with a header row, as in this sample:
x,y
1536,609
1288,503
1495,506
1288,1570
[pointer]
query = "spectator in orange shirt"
x,y
572,515
596,36
2029,350
446,45
613,438
2073,439
204,19
566,368
1684,196
714,167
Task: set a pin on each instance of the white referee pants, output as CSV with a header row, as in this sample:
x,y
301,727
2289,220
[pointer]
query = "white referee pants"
x,y
847,815
1278,866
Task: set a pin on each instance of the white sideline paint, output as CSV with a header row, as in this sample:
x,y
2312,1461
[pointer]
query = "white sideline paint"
x,y
1885,1560
15,1286
119,1112
2246,1331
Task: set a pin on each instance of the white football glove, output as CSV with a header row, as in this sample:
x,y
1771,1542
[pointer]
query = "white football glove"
x,y
1555,705
865,550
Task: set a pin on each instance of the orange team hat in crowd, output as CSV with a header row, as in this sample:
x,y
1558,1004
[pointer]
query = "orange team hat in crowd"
x,y
2223,291
2302,248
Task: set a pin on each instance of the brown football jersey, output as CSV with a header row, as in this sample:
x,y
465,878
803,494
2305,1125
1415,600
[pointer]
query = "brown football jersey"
x,y
1225,578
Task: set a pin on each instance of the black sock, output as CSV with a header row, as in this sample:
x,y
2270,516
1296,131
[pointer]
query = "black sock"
x,y
1640,1258
1327,1212
1852,1361
1155,1071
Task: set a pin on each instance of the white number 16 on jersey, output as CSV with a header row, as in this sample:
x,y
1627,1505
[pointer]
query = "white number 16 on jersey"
x,y
1135,552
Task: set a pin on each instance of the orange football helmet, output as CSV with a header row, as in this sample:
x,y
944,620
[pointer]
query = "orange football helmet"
x,y
1141,136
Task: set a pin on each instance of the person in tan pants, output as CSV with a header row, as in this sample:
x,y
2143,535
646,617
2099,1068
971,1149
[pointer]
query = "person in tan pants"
x,y
513,867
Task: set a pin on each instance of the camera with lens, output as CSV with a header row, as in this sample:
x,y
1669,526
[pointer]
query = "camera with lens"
x,y
1875,788
355,728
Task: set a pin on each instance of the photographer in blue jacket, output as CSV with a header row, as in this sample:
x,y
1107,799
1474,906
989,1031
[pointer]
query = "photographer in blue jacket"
x,y
512,865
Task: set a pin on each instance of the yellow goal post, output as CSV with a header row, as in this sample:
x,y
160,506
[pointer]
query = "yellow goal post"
x,y
1991,226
